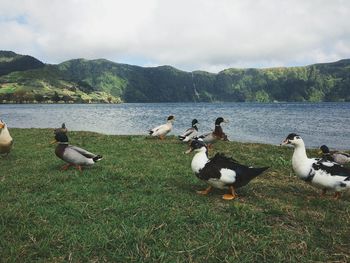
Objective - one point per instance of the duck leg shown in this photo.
(65, 167)
(323, 192)
(231, 195)
(79, 167)
(337, 195)
(161, 137)
(205, 192)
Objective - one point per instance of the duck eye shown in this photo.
(297, 137)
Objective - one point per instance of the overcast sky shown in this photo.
(190, 35)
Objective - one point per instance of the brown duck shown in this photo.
(217, 135)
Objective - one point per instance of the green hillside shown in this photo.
(100, 80)
(10, 61)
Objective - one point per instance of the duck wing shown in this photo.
(76, 155)
(207, 137)
(188, 134)
(331, 168)
(341, 158)
(82, 151)
(160, 130)
(229, 170)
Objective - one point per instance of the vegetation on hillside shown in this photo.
(10, 61)
(100, 80)
(139, 204)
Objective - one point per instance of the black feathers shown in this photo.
(244, 174)
(97, 158)
(331, 168)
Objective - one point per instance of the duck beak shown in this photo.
(286, 141)
(54, 141)
(189, 150)
(226, 121)
(2, 125)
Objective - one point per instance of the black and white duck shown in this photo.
(73, 155)
(190, 133)
(334, 156)
(162, 130)
(216, 135)
(220, 171)
(323, 174)
(6, 140)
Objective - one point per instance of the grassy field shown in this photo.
(139, 204)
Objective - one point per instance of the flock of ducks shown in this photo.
(326, 173)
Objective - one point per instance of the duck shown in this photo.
(335, 156)
(319, 172)
(6, 141)
(73, 155)
(162, 130)
(216, 135)
(190, 133)
(220, 172)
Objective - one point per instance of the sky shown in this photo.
(209, 35)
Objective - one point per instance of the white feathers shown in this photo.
(228, 176)
(199, 160)
(162, 130)
(5, 136)
(6, 141)
(320, 173)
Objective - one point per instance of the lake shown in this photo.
(317, 123)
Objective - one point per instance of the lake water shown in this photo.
(317, 123)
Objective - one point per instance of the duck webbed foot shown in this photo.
(204, 192)
(65, 167)
(79, 168)
(230, 196)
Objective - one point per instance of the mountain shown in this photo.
(10, 62)
(26, 79)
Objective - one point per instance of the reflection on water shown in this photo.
(317, 123)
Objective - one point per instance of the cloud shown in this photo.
(188, 34)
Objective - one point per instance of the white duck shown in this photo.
(162, 130)
(6, 140)
(190, 133)
(321, 173)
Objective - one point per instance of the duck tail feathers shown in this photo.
(257, 171)
(97, 158)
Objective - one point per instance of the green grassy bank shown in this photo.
(139, 205)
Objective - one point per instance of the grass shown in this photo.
(139, 205)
